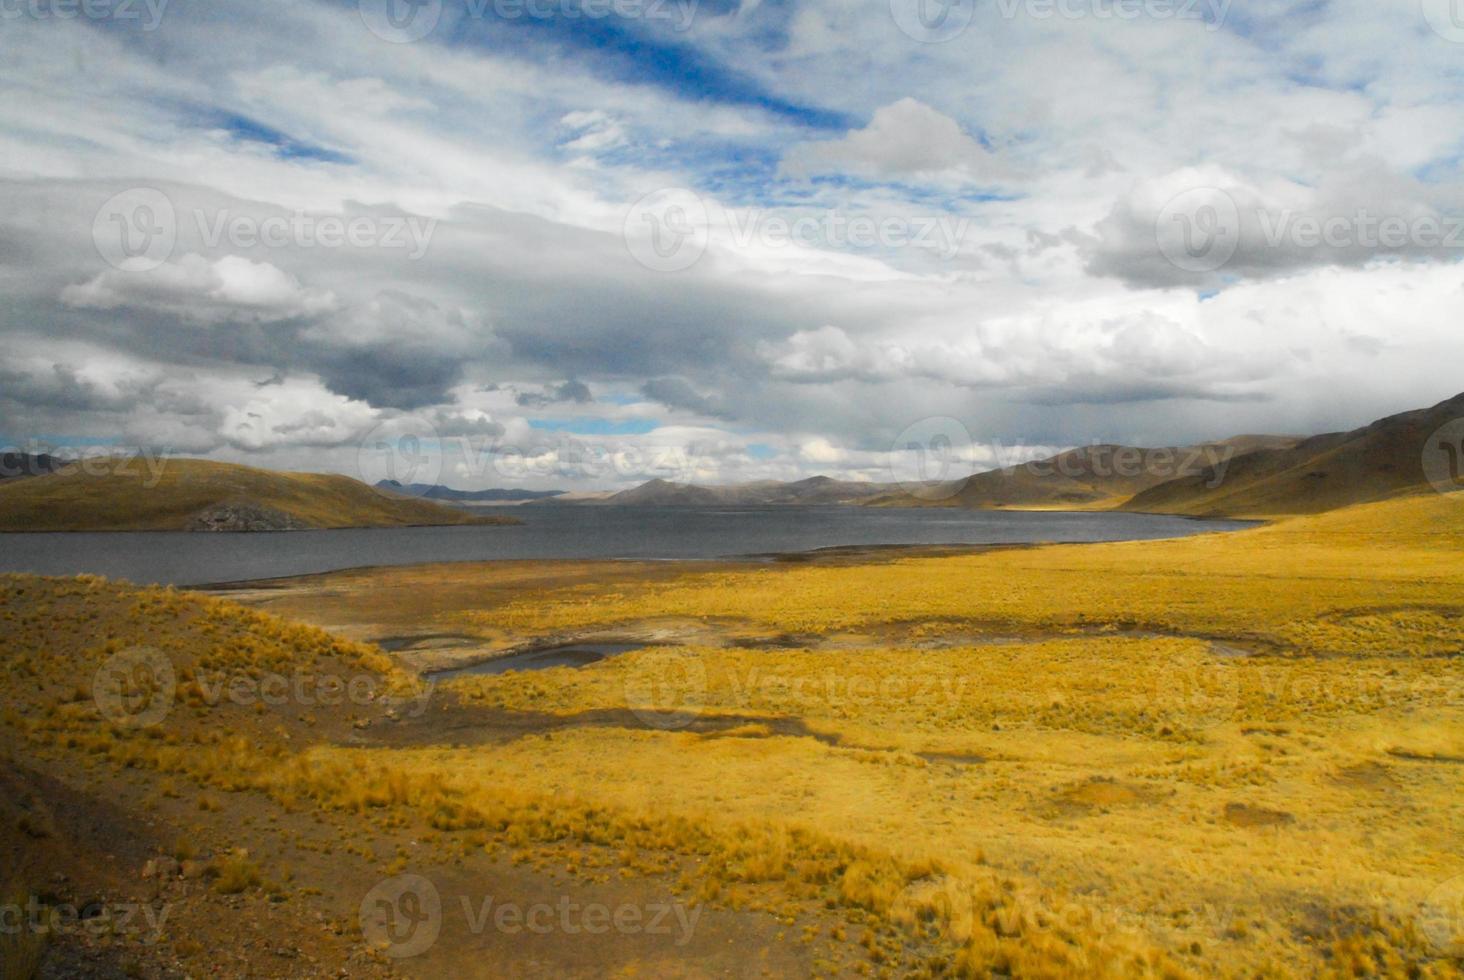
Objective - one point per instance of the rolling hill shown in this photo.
(198, 495)
(1089, 478)
(1376, 462)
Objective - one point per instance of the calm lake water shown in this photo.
(563, 532)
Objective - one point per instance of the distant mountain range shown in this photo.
(1244, 476)
(815, 490)
(448, 495)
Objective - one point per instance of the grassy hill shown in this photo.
(1088, 478)
(195, 495)
(1376, 462)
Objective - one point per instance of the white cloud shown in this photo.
(907, 139)
(231, 289)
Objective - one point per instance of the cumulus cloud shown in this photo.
(678, 393)
(1200, 225)
(193, 289)
(1062, 316)
(906, 139)
(573, 392)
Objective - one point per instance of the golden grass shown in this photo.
(22, 948)
(1383, 578)
(1106, 791)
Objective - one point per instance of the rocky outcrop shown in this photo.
(245, 517)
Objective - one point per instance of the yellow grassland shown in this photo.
(1235, 755)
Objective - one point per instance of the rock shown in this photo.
(244, 517)
(160, 867)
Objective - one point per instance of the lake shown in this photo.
(178, 558)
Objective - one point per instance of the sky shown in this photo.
(579, 244)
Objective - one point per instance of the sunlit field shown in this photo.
(1229, 755)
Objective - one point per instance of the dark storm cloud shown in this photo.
(573, 392)
(679, 393)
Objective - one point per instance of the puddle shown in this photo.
(570, 655)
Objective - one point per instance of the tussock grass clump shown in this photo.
(22, 949)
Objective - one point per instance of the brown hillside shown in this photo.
(192, 494)
(1381, 460)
